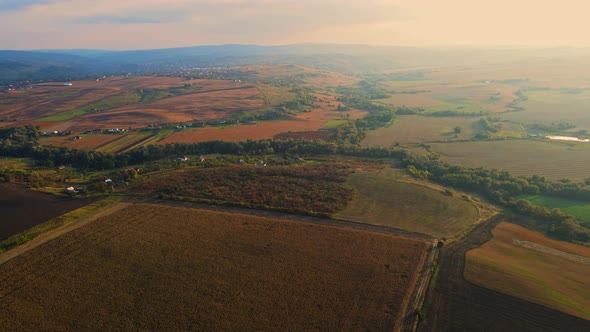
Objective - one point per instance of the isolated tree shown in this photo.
(457, 130)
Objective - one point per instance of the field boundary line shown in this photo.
(54, 233)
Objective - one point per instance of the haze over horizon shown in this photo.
(119, 25)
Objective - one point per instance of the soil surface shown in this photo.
(21, 209)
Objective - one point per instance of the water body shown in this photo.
(568, 138)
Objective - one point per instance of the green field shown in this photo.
(383, 199)
(578, 209)
(552, 159)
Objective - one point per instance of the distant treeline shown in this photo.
(23, 142)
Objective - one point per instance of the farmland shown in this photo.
(23, 209)
(416, 129)
(454, 304)
(159, 267)
(313, 120)
(554, 106)
(578, 209)
(554, 160)
(382, 198)
(126, 102)
(530, 266)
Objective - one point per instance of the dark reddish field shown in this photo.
(155, 267)
(22, 209)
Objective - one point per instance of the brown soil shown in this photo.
(22, 208)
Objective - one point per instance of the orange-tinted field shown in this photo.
(309, 121)
(155, 267)
(199, 106)
(533, 267)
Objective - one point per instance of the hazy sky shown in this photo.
(133, 24)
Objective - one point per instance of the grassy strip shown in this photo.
(18, 239)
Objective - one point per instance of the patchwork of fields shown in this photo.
(159, 267)
(530, 266)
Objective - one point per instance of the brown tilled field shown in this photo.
(528, 265)
(155, 267)
(304, 122)
(23, 209)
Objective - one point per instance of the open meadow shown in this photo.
(530, 266)
(158, 267)
(382, 198)
(554, 160)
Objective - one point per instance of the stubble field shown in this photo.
(382, 198)
(530, 266)
(160, 267)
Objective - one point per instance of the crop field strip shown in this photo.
(64, 249)
(521, 157)
(51, 259)
(123, 142)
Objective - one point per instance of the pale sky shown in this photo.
(140, 24)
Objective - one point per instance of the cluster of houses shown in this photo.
(56, 133)
(185, 159)
(115, 130)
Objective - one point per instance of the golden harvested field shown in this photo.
(533, 267)
(410, 129)
(552, 159)
(382, 198)
(156, 267)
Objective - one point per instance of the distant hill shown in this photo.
(63, 64)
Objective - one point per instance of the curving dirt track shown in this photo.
(456, 305)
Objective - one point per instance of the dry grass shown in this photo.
(415, 129)
(528, 265)
(554, 160)
(153, 267)
(382, 198)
